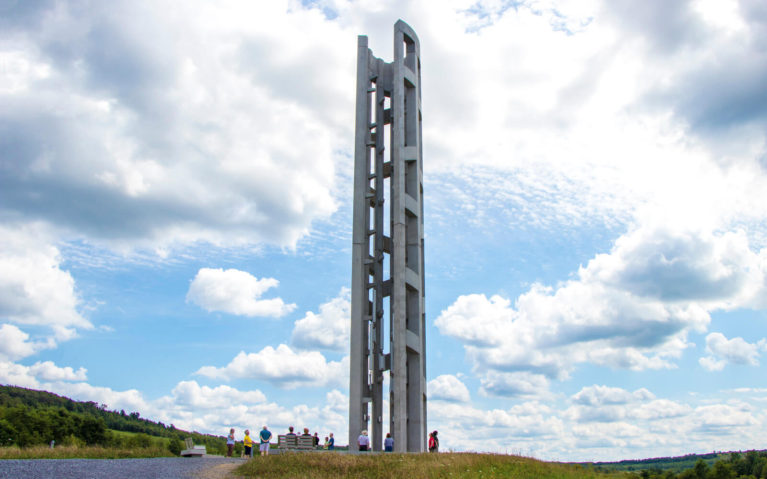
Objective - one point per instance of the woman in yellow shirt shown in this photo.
(248, 443)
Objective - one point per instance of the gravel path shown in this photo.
(159, 468)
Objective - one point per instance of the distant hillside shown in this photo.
(682, 463)
(29, 417)
(663, 463)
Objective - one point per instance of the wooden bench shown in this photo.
(192, 450)
(291, 441)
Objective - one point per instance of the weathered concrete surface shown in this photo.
(388, 106)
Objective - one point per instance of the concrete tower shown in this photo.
(388, 263)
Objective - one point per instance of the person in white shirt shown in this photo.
(363, 441)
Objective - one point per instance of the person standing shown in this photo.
(363, 441)
(248, 443)
(230, 443)
(433, 442)
(331, 442)
(388, 443)
(265, 435)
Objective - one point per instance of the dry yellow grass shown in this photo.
(80, 452)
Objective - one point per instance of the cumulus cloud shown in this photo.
(447, 387)
(182, 128)
(725, 418)
(38, 374)
(194, 396)
(283, 367)
(597, 395)
(14, 343)
(722, 351)
(515, 384)
(327, 330)
(597, 421)
(631, 308)
(35, 291)
(235, 292)
(48, 371)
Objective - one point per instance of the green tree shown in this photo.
(749, 464)
(93, 430)
(687, 474)
(701, 469)
(175, 446)
(722, 470)
(7, 433)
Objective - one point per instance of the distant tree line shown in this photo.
(30, 417)
(751, 465)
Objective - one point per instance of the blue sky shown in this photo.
(175, 217)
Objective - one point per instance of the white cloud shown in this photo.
(724, 418)
(235, 292)
(283, 367)
(190, 394)
(631, 308)
(723, 351)
(34, 290)
(598, 422)
(327, 330)
(129, 400)
(447, 387)
(515, 384)
(185, 130)
(14, 343)
(48, 371)
(597, 395)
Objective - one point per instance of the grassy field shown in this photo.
(328, 465)
(80, 452)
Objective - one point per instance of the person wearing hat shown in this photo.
(363, 441)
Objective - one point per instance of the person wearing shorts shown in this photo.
(264, 436)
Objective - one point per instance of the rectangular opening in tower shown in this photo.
(412, 306)
(414, 400)
(412, 239)
(410, 112)
(409, 49)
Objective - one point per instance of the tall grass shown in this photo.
(81, 452)
(326, 465)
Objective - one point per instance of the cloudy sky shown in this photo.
(175, 215)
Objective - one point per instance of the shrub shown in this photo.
(175, 446)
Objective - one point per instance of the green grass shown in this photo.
(80, 452)
(328, 465)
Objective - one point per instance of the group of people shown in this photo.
(330, 442)
(363, 442)
(264, 438)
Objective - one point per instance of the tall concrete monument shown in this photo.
(388, 263)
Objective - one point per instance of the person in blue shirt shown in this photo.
(331, 442)
(388, 443)
(265, 435)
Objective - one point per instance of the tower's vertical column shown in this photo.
(408, 367)
(359, 389)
